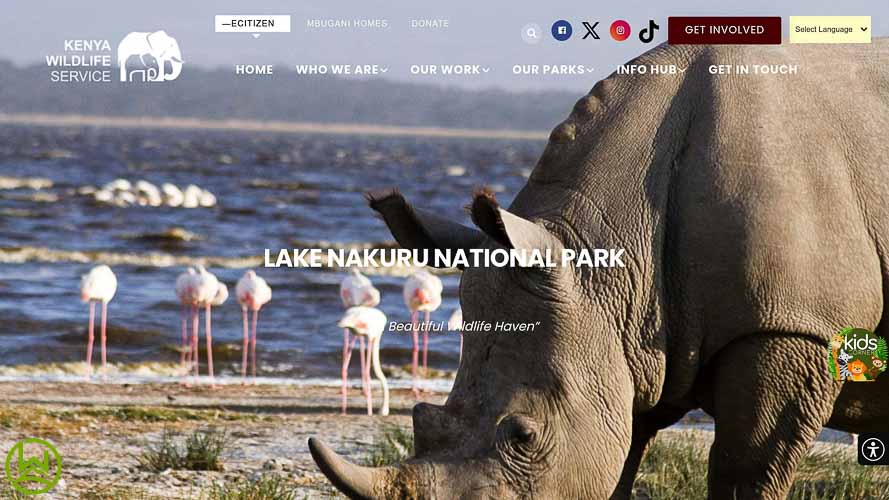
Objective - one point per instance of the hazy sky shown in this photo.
(480, 32)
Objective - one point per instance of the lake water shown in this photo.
(274, 191)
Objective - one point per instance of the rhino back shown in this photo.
(746, 204)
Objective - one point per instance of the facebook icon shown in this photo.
(561, 30)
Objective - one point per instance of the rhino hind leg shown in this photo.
(771, 394)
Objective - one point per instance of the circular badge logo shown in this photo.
(33, 466)
(620, 30)
(561, 30)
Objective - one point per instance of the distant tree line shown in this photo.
(285, 96)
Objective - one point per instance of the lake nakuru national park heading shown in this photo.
(473, 257)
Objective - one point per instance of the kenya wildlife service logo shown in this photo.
(856, 354)
(155, 52)
(39, 472)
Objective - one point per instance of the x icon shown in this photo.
(590, 30)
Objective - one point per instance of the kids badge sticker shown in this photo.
(856, 354)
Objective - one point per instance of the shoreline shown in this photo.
(168, 373)
(265, 126)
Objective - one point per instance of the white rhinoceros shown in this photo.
(754, 210)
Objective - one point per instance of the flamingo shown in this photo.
(356, 290)
(99, 285)
(422, 292)
(148, 194)
(206, 199)
(186, 291)
(455, 324)
(119, 185)
(369, 322)
(206, 285)
(252, 292)
(218, 299)
(191, 196)
(173, 196)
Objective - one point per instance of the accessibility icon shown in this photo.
(872, 449)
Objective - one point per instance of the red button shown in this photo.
(724, 30)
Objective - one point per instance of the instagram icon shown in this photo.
(620, 30)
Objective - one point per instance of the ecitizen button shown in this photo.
(724, 30)
(259, 23)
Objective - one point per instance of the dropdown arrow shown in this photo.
(864, 28)
(256, 35)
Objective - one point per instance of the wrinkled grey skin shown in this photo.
(755, 216)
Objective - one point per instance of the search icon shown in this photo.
(531, 33)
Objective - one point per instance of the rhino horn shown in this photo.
(411, 480)
(353, 480)
(506, 228)
(414, 228)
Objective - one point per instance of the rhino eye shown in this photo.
(517, 428)
(523, 447)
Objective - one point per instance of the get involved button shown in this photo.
(724, 30)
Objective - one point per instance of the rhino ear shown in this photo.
(419, 229)
(508, 229)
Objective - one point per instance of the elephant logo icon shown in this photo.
(154, 52)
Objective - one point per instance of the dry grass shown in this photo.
(202, 450)
(112, 492)
(53, 423)
(394, 446)
(675, 468)
(35, 421)
(267, 487)
(151, 414)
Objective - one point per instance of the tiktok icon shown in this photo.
(646, 35)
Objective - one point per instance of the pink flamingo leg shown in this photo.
(209, 336)
(414, 329)
(370, 407)
(365, 381)
(194, 344)
(185, 357)
(426, 346)
(347, 355)
(104, 329)
(90, 337)
(253, 347)
(184, 337)
(245, 348)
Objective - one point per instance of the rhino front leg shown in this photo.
(771, 393)
(645, 428)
